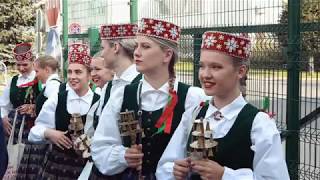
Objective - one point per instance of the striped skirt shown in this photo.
(33, 161)
(128, 174)
(62, 165)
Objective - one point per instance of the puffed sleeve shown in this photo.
(52, 88)
(177, 147)
(5, 103)
(194, 96)
(107, 149)
(45, 119)
(268, 161)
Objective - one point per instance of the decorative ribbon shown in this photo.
(165, 121)
(204, 103)
(29, 84)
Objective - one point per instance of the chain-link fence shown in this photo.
(284, 74)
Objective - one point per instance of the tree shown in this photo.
(310, 46)
(16, 25)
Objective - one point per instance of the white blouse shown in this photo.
(52, 85)
(268, 162)
(107, 149)
(46, 118)
(125, 78)
(5, 103)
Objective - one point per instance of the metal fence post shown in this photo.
(133, 11)
(65, 35)
(293, 113)
(93, 35)
(196, 58)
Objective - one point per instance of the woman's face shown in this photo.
(108, 53)
(25, 67)
(99, 73)
(149, 56)
(217, 74)
(78, 77)
(41, 73)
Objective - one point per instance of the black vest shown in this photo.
(17, 95)
(41, 98)
(62, 117)
(153, 144)
(107, 96)
(233, 150)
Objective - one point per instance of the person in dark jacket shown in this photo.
(3, 152)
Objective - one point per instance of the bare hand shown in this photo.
(58, 138)
(181, 168)
(6, 125)
(26, 109)
(207, 169)
(134, 156)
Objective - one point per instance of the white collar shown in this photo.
(53, 76)
(30, 76)
(129, 74)
(146, 87)
(72, 95)
(229, 111)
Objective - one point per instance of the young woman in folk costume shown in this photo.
(20, 93)
(62, 118)
(46, 68)
(118, 42)
(77, 48)
(249, 144)
(158, 102)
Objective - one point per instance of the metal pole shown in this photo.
(133, 11)
(293, 113)
(65, 35)
(196, 58)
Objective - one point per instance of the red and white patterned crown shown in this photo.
(79, 58)
(22, 52)
(230, 44)
(159, 29)
(79, 48)
(117, 31)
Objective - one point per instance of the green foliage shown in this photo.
(16, 25)
(310, 46)
(310, 12)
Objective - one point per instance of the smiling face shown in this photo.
(99, 73)
(25, 67)
(218, 74)
(78, 77)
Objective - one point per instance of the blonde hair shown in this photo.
(237, 62)
(128, 46)
(165, 44)
(47, 61)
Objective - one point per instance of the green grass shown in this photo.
(281, 73)
(183, 66)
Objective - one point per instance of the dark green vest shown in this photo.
(41, 98)
(233, 149)
(153, 144)
(17, 94)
